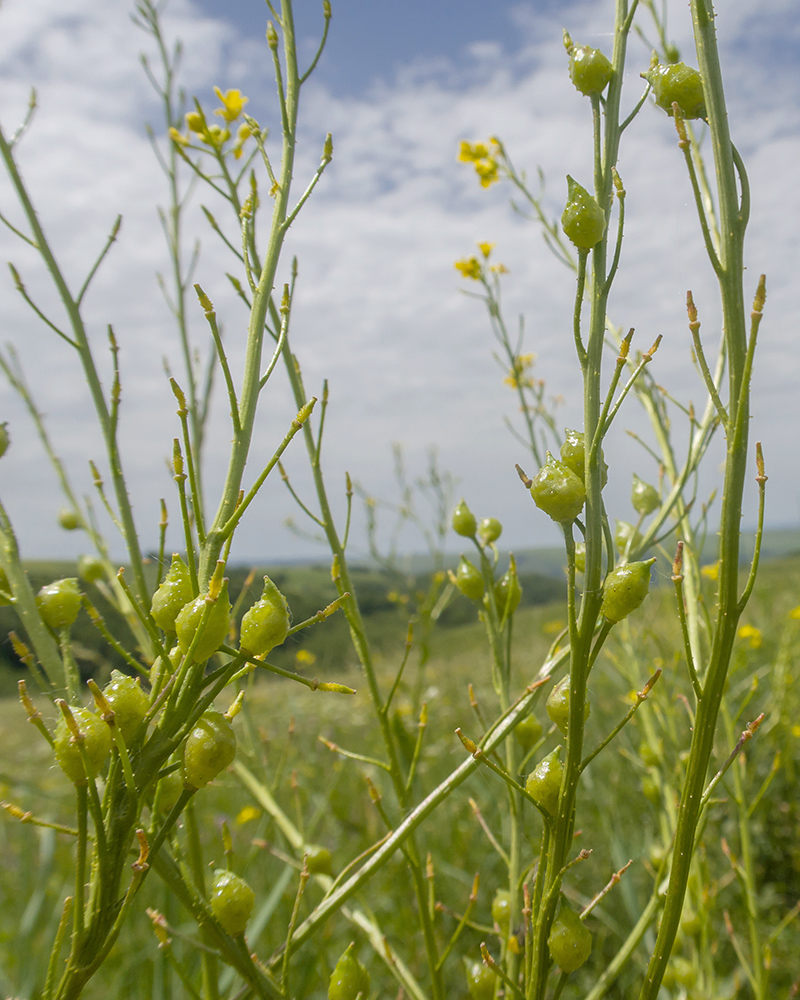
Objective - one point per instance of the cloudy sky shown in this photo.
(380, 311)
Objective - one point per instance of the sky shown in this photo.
(380, 310)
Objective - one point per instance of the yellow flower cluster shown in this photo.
(518, 375)
(216, 136)
(483, 157)
(752, 634)
(472, 267)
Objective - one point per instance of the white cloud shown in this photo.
(379, 309)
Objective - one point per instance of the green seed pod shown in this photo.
(97, 743)
(626, 538)
(266, 624)
(573, 455)
(528, 732)
(168, 791)
(231, 900)
(469, 580)
(570, 943)
(128, 702)
(216, 627)
(557, 705)
(558, 491)
(501, 910)
(544, 782)
(69, 519)
(173, 595)
(582, 220)
(319, 860)
(5, 439)
(174, 658)
(489, 530)
(644, 497)
(59, 603)
(625, 588)
(481, 981)
(91, 568)
(209, 748)
(464, 522)
(508, 591)
(580, 557)
(349, 978)
(678, 84)
(589, 69)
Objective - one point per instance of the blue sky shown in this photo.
(380, 311)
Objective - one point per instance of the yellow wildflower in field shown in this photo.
(518, 374)
(478, 154)
(195, 122)
(752, 634)
(305, 657)
(247, 814)
(232, 104)
(711, 572)
(486, 248)
(795, 613)
(795, 731)
(469, 268)
(178, 137)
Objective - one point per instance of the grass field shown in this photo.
(625, 808)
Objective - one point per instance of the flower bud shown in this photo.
(173, 595)
(489, 530)
(582, 220)
(69, 519)
(464, 522)
(266, 624)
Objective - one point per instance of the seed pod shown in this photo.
(489, 530)
(90, 568)
(558, 491)
(501, 910)
(644, 497)
(266, 624)
(215, 629)
(464, 522)
(349, 978)
(589, 69)
(582, 220)
(319, 860)
(573, 455)
(569, 942)
(128, 702)
(626, 538)
(678, 84)
(96, 742)
(481, 981)
(469, 580)
(528, 732)
(508, 591)
(59, 603)
(557, 705)
(174, 658)
(5, 439)
(580, 557)
(168, 791)
(544, 782)
(173, 595)
(231, 900)
(625, 588)
(209, 748)
(69, 519)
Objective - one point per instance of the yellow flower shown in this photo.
(233, 103)
(795, 731)
(518, 375)
(710, 572)
(795, 613)
(487, 172)
(499, 269)
(196, 122)
(305, 656)
(485, 248)
(247, 814)
(469, 152)
(469, 268)
(178, 138)
(752, 634)
(215, 136)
